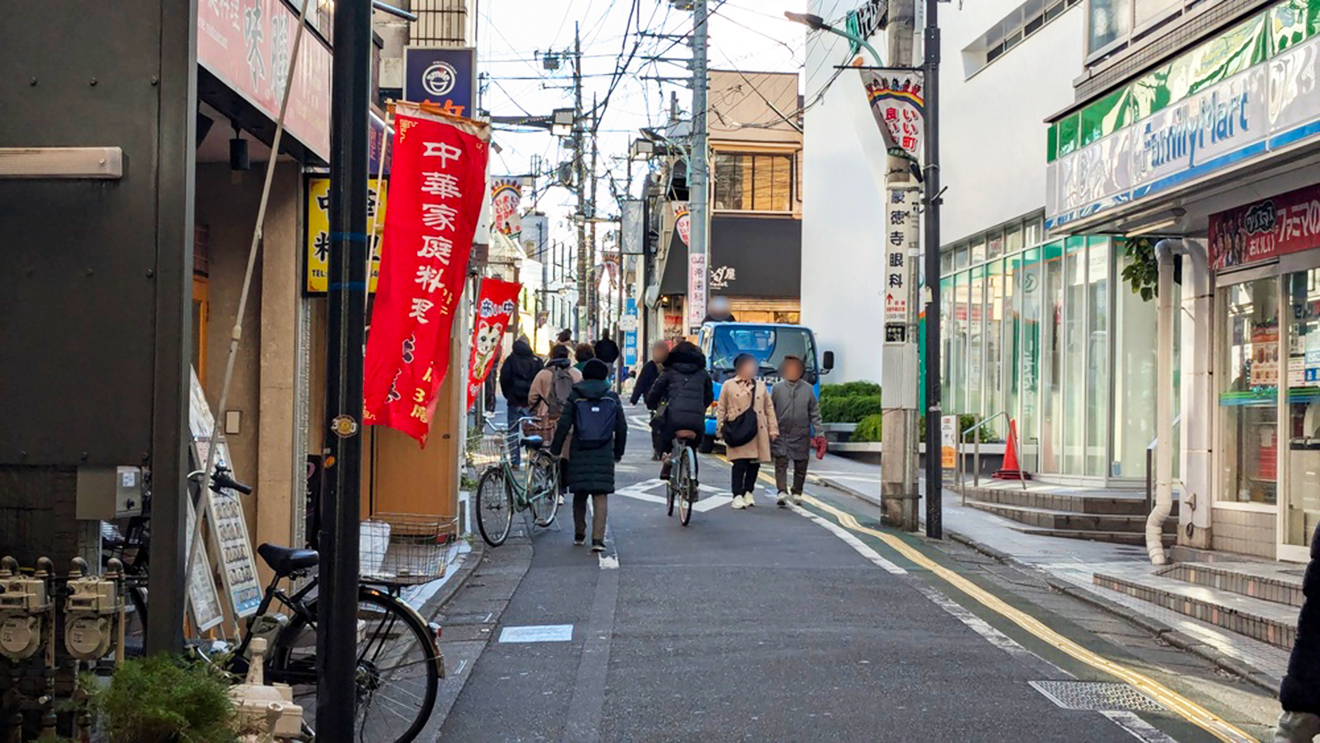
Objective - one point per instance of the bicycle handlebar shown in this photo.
(221, 479)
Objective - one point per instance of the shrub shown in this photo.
(849, 409)
(849, 389)
(160, 699)
(868, 429)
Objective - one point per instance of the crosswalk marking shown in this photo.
(647, 491)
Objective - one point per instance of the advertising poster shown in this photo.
(318, 232)
(505, 203)
(898, 106)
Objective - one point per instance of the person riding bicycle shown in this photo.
(681, 395)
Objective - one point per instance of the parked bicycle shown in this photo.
(682, 486)
(502, 490)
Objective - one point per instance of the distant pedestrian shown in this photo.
(582, 354)
(549, 396)
(646, 378)
(680, 398)
(1299, 695)
(516, 377)
(596, 431)
(745, 419)
(798, 414)
(565, 338)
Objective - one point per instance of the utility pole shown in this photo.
(593, 302)
(934, 409)
(336, 638)
(699, 171)
(580, 321)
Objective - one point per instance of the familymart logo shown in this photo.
(1217, 120)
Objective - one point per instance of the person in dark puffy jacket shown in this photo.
(591, 468)
(645, 381)
(516, 377)
(685, 391)
(1299, 695)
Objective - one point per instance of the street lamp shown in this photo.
(642, 149)
(816, 23)
(561, 122)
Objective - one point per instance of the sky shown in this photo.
(513, 36)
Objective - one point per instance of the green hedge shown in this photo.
(849, 389)
(868, 429)
(849, 409)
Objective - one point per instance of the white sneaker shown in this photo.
(750, 499)
(781, 499)
(797, 499)
(738, 503)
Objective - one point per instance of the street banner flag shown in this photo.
(496, 304)
(436, 192)
(683, 223)
(505, 201)
(897, 101)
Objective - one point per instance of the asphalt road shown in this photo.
(762, 624)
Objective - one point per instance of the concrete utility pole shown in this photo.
(580, 320)
(698, 168)
(593, 302)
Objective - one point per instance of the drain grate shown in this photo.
(1095, 695)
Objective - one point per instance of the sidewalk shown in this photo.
(1070, 565)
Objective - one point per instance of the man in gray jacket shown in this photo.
(798, 412)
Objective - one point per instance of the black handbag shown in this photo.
(741, 429)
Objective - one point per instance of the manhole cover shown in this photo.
(1095, 695)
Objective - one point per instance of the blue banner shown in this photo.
(445, 77)
(630, 336)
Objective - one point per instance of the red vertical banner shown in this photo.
(438, 182)
(496, 303)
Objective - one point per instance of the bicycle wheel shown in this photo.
(543, 490)
(494, 506)
(398, 668)
(686, 486)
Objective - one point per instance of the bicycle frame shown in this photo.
(520, 484)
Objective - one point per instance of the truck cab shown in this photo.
(722, 342)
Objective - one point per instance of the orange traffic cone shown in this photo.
(1011, 470)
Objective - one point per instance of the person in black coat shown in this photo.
(516, 377)
(1299, 695)
(645, 381)
(591, 470)
(685, 389)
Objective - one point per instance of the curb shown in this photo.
(1155, 627)
(471, 560)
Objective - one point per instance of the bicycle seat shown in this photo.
(285, 560)
(685, 434)
(533, 442)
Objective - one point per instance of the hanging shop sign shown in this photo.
(1265, 229)
(631, 339)
(696, 291)
(317, 277)
(445, 77)
(437, 188)
(247, 46)
(900, 242)
(496, 303)
(683, 223)
(1234, 99)
(505, 200)
(898, 106)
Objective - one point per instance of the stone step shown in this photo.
(1128, 502)
(1113, 537)
(1045, 518)
(1281, 584)
(1266, 621)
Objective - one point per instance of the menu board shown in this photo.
(203, 598)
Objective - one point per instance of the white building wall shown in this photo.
(993, 162)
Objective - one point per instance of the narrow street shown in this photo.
(773, 624)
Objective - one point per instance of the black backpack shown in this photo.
(595, 421)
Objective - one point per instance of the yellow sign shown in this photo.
(318, 232)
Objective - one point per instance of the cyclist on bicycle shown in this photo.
(681, 395)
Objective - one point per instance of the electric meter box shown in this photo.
(108, 493)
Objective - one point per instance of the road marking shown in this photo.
(609, 560)
(1184, 707)
(538, 633)
(642, 491)
(862, 548)
(1139, 728)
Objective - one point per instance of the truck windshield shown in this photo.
(768, 343)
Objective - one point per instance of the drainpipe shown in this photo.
(1164, 252)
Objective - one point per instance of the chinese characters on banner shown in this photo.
(696, 294)
(318, 233)
(900, 231)
(496, 304)
(898, 105)
(683, 223)
(437, 185)
(505, 199)
(1266, 229)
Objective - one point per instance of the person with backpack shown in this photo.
(583, 353)
(798, 411)
(594, 428)
(516, 377)
(549, 395)
(680, 397)
(745, 419)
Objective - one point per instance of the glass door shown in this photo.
(1300, 512)
(1248, 401)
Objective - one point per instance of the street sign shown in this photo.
(696, 296)
(445, 76)
(895, 332)
(948, 444)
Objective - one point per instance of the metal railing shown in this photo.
(976, 455)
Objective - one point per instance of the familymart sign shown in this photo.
(1250, 91)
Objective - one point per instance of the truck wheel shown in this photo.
(707, 445)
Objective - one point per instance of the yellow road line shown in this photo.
(1189, 710)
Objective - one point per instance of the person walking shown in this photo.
(582, 354)
(1299, 695)
(646, 378)
(745, 419)
(680, 397)
(565, 338)
(595, 430)
(798, 414)
(549, 396)
(516, 375)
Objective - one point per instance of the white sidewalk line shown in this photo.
(850, 540)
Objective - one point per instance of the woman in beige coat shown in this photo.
(736, 396)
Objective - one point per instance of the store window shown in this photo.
(958, 344)
(1075, 342)
(1097, 356)
(1107, 22)
(975, 341)
(1302, 512)
(1134, 380)
(994, 358)
(1051, 361)
(1030, 362)
(1248, 402)
(760, 183)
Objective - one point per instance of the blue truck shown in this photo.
(722, 342)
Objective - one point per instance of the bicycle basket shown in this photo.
(406, 549)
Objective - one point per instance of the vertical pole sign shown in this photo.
(900, 237)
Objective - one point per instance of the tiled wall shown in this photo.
(1245, 532)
